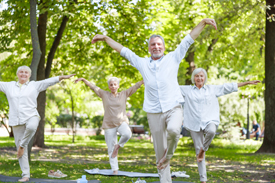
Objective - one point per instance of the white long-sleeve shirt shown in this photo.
(23, 99)
(201, 106)
(162, 91)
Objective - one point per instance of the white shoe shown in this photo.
(180, 174)
(57, 174)
(140, 181)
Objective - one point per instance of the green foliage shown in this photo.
(97, 123)
(235, 52)
(65, 120)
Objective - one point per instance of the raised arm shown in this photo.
(248, 83)
(198, 29)
(113, 44)
(92, 86)
(130, 91)
(65, 77)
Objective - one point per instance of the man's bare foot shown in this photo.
(115, 172)
(162, 160)
(24, 179)
(115, 151)
(20, 152)
(200, 155)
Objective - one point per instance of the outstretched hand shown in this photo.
(254, 82)
(210, 21)
(79, 79)
(97, 38)
(68, 76)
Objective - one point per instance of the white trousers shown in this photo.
(22, 137)
(111, 140)
(201, 141)
(165, 129)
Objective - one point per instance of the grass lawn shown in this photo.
(226, 161)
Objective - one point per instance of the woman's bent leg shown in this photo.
(198, 139)
(125, 132)
(209, 132)
(111, 140)
(31, 127)
(18, 132)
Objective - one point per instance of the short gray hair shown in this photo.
(196, 71)
(155, 35)
(24, 67)
(113, 79)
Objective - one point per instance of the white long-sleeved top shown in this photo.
(23, 100)
(162, 91)
(201, 106)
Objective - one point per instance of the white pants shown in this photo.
(111, 140)
(165, 129)
(22, 137)
(201, 141)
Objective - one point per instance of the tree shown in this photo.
(268, 145)
(64, 30)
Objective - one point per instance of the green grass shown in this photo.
(226, 161)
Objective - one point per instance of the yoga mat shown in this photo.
(121, 173)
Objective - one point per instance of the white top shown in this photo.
(22, 100)
(162, 91)
(202, 106)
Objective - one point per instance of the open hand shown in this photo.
(79, 79)
(254, 82)
(68, 76)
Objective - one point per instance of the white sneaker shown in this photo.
(57, 174)
(180, 174)
(140, 181)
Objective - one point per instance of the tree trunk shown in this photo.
(36, 53)
(73, 125)
(35, 40)
(268, 145)
(191, 68)
(41, 100)
(45, 73)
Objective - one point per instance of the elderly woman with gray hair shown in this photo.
(115, 119)
(23, 115)
(201, 112)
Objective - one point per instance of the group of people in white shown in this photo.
(163, 101)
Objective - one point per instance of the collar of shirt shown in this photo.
(19, 84)
(195, 87)
(151, 60)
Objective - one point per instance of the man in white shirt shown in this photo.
(162, 96)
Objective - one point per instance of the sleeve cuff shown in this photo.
(123, 51)
(189, 39)
(56, 79)
(235, 87)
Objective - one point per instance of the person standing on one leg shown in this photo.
(23, 115)
(201, 112)
(115, 119)
(162, 98)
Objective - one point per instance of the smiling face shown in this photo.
(199, 79)
(156, 48)
(113, 86)
(23, 75)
